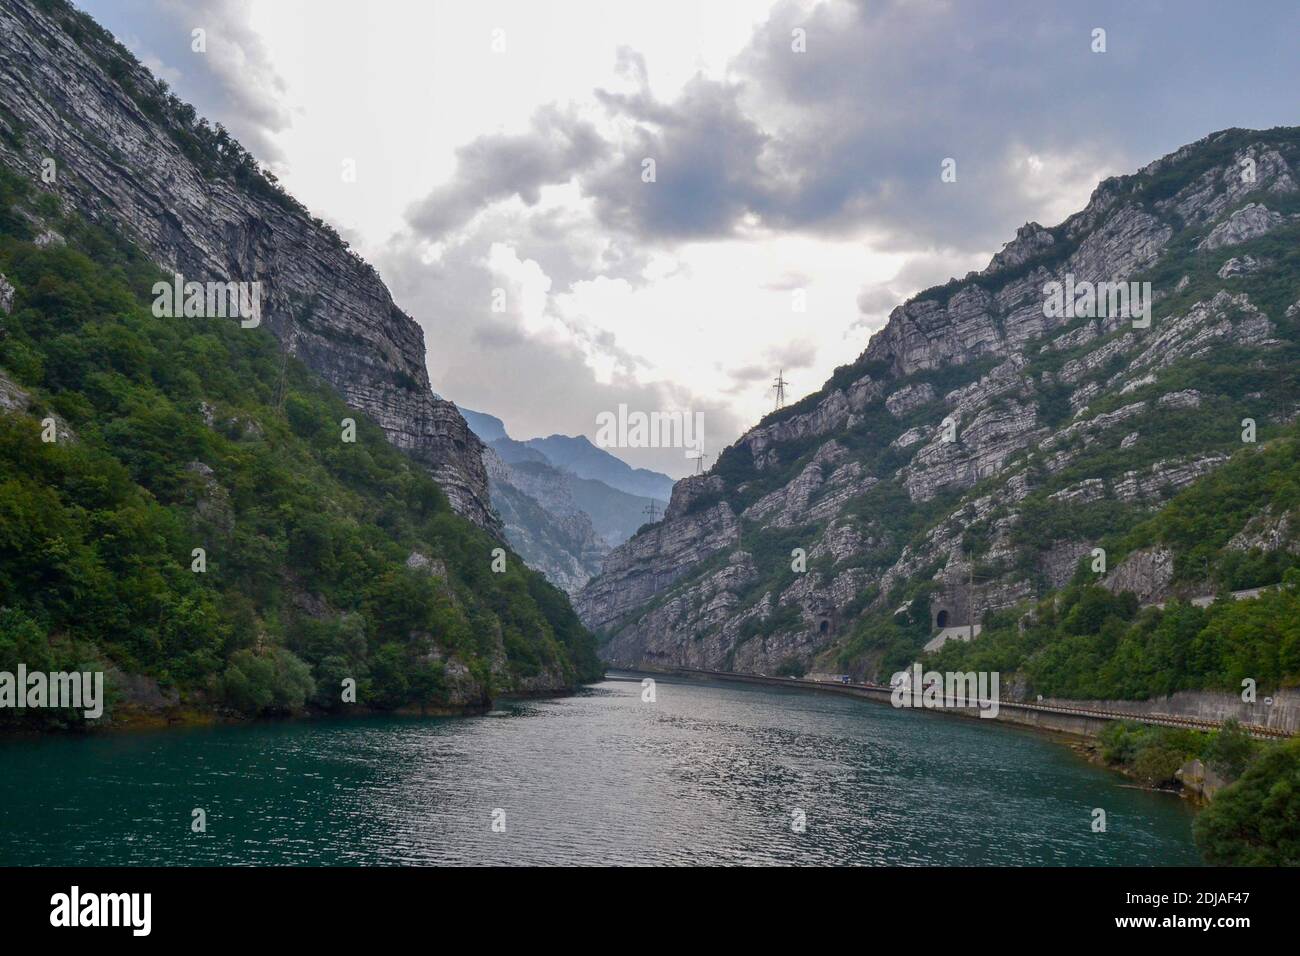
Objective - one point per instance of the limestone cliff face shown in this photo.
(542, 521)
(976, 424)
(639, 569)
(559, 519)
(124, 156)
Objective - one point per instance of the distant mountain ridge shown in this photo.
(487, 427)
(561, 518)
(572, 453)
(585, 460)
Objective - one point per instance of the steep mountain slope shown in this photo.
(1232, 530)
(538, 514)
(562, 524)
(614, 514)
(514, 452)
(129, 153)
(487, 427)
(181, 506)
(543, 522)
(985, 442)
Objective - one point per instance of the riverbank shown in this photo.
(1083, 732)
(130, 719)
(1069, 728)
(1076, 718)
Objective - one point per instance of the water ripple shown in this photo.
(706, 774)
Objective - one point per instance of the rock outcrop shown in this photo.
(980, 425)
(125, 153)
(1249, 222)
(542, 521)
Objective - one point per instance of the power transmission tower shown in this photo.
(652, 510)
(780, 385)
(699, 462)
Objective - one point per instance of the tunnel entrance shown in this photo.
(942, 619)
(824, 626)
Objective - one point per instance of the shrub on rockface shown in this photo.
(273, 682)
(1256, 821)
(1152, 755)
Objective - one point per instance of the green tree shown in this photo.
(274, 682)
(1231, 750)
(1256, 821)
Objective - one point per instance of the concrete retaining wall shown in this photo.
(1282, 714)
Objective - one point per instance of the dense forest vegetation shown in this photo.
(325, 559)
(1256, 821)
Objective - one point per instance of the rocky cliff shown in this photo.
(543, 522)
(126, 152)
(985, 440)
(561, 523)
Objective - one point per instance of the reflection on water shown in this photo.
(708, 773)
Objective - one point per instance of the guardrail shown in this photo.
(1162, 720)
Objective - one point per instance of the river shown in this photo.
(705, 774)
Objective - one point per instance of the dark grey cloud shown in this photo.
(706, 153)
(874, 299)
(850, 134)
(501, 165)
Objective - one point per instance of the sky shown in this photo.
(490, 158)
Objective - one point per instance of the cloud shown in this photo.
(775, 170)
(849, 137)
(799, 353)
(746, 379)
(706, 153)
(921, 270)
(495, 167)
(540, 368)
